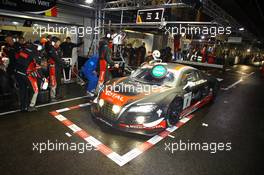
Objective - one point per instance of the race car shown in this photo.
(155, 96)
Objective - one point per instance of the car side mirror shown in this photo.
(189, 86)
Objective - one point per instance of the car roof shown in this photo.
(175, 67)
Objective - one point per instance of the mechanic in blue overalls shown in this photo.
(89, 71)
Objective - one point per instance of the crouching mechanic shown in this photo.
(89, 71)
(27, 75)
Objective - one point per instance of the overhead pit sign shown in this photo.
(234, 39)
(34, 6)
(149, 16)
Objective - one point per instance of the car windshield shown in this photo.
(144, 75)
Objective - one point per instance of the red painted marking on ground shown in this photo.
(164, 134)
(179, 124)
(54, 113)
(104, 149)
(145, 146)
(67, 122)
(83, 134)
(190, 116)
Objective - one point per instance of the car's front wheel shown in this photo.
(174, 111)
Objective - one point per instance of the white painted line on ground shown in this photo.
(205, 124)
(62, 110)
(228, 69)
(172, 128)
(85, 104)
(155, 139)
(131, 155)
(237, 82)
(232, 85)
(62, 101)
(93, 141)
(48, 104)
(240, 72)
(171, 136)
(74, 128)
(68, 134)
(60, 117)
(116, 158)
(220, 79)
(184, 120)
(250, 74)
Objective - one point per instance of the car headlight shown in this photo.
(101, 102)
(116, 109)
(140, 119)
(143, 108)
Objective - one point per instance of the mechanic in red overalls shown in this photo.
(105, 51)
(27, 75)
(55, 64)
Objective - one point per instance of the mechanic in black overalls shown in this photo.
(105, 52)
(67, 46)
(26, 75)
(55, 64)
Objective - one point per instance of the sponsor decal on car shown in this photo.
(113, 95)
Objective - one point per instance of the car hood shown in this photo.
(125, 90)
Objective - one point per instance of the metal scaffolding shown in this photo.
(211, 9)
(220, 16)
(139, 4)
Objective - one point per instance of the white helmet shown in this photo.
(156, 54)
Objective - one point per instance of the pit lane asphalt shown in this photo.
(236, 117)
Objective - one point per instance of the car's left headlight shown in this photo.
(116, 109)
(143, 108)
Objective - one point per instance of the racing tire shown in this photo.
(174, 111)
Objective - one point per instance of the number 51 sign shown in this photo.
(149, 16)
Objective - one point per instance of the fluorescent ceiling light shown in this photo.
(89, 1)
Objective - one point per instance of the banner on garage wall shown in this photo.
(52, 12)
(150, 16)
(31, 6)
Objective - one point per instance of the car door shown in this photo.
(192, 88)
(204, 86)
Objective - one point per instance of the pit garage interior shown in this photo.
(225, 136)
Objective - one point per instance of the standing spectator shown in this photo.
(67, 46)
(142, 53)
(10, 52)
(131, 55)
(18, 45)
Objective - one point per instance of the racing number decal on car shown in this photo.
(187, 100)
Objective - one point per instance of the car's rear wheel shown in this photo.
(174, 111)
